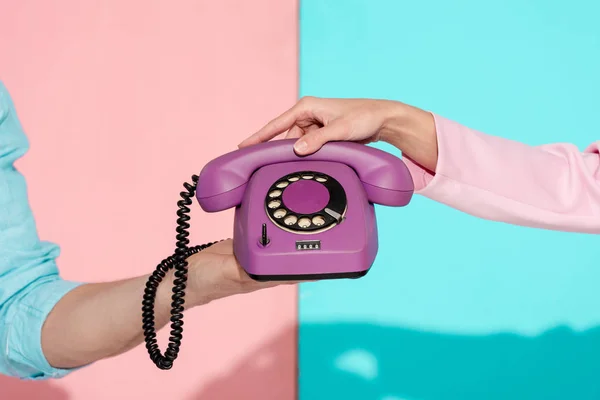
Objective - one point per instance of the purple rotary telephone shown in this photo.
(296, 217)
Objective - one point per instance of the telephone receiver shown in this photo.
(296, 217)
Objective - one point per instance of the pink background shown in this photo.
(122, 102)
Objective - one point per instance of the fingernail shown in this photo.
(300, 145)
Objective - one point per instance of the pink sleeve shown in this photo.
(554, 186)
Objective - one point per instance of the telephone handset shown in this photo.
(296, 217)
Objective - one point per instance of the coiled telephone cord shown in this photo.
(178, 261)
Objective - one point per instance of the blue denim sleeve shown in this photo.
(30, 285)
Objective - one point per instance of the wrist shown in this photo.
(400, 122)
(193, 295)
(412, 131)
(207, 280)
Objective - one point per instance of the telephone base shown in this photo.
(309, 277)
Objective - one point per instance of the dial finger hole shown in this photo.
(274, 204)
(275, 193)
(318, 220)
(290, 220)
(279, 213)
(307, 176)
(304, 222)
(282, 185)
(294, 178)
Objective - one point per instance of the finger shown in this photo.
(304, 129)
(313, 141)
(295, 133)
(366, 141)
(279, 125)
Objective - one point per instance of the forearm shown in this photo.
(96, 321)
(552, 187)
(100, 320)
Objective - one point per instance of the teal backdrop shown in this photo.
(456, 307)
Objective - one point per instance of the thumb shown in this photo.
(313, 141)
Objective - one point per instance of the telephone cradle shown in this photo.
(296, 218)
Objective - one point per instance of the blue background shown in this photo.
(456, 307)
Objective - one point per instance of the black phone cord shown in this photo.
(178, 261)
